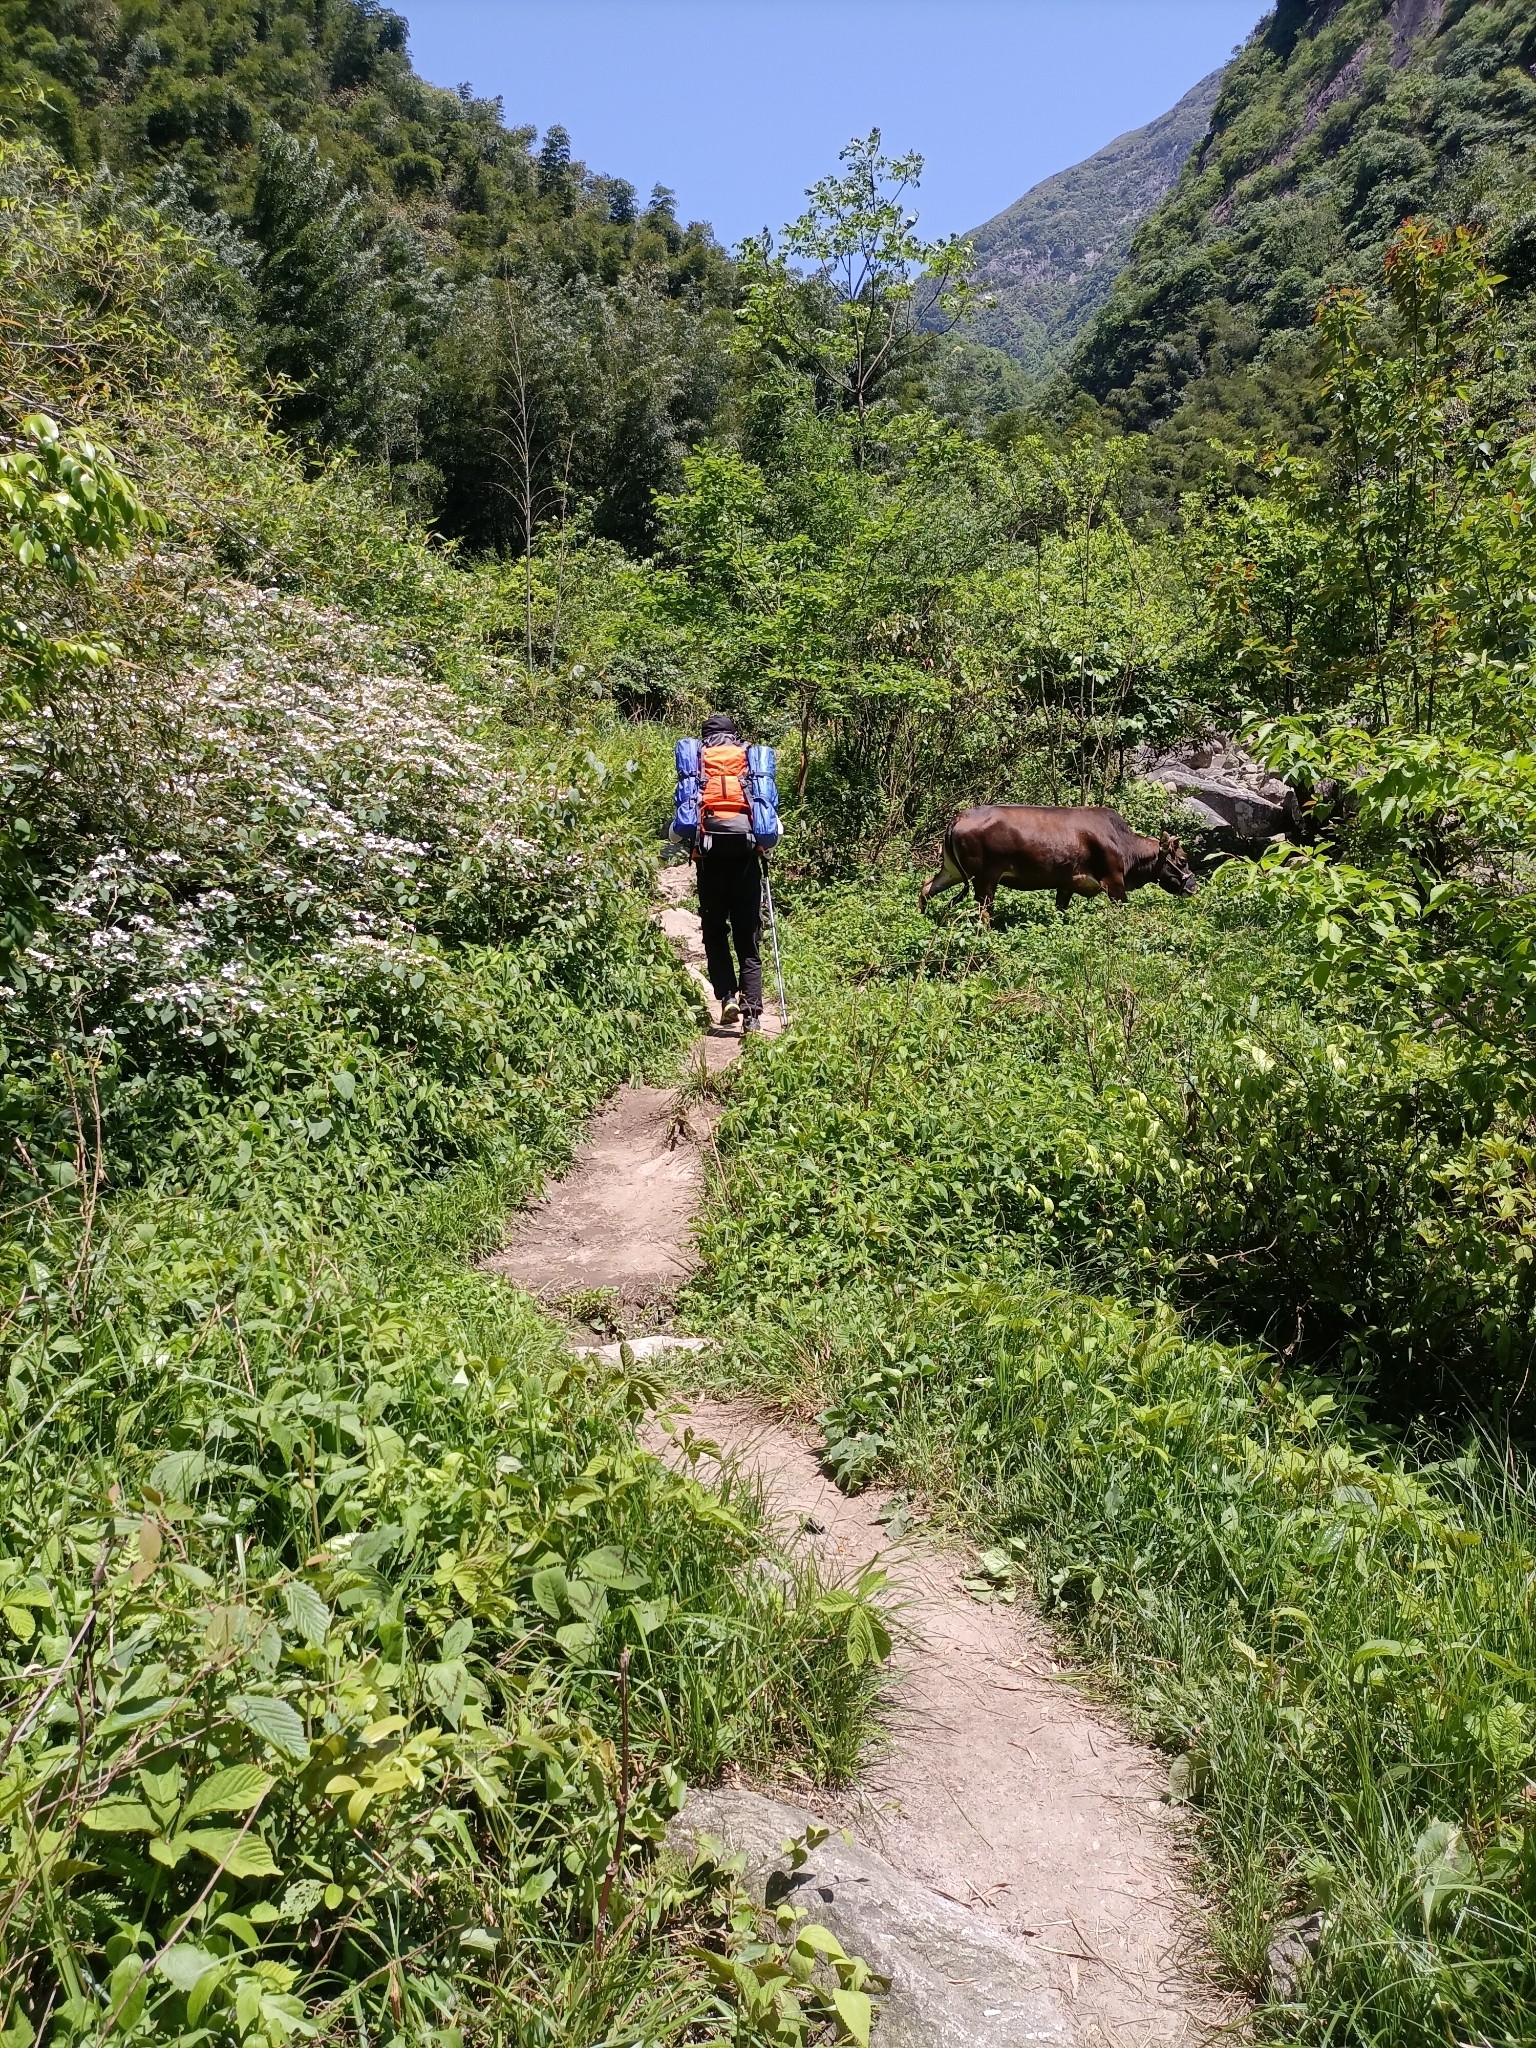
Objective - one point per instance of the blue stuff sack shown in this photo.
(762, 791)
(689, 757)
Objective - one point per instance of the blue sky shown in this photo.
(739, 104)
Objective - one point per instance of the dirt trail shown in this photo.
(1002, 1786)
(622, 1218)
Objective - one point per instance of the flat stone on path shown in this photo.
(1001, 1787)
(955, 1982)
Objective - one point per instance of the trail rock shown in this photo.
(1291, 1955)
(955, 1982)
(642, 1348)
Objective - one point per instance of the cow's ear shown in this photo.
(1167, 842)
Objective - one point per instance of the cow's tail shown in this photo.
(950, 863)
(952, 856)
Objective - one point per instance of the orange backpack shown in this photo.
(724, 800)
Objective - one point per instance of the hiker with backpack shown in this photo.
(726, 813)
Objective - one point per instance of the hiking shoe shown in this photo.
(750, 1021)
(730, 1010)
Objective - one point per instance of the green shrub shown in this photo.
(1153, 1099)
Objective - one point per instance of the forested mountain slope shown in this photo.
(1338, 120)
(413, 278)
(1049, 260)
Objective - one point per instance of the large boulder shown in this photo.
(955, 1982)
(1234, 801)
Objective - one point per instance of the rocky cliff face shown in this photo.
(1051, 258)
(1337, 121)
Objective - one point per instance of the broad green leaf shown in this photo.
(650, 1614)
(869, 1640)
(458, 1639)
(1188, 1776)
(127, 1990)
(235, 1790)
(241, 1855)
(576, 1638)
(445, 1684)
(241, 1928)
(163, 1790)
(549, 1590)
(308, 1615)
(301, 1899)
(820, 1941)
(176, 1475)
(201, 1992)
(119, 1817)
(608, 1566)
(855, 2015)
(372, 1546)
(274, 1721)
(182, 1965)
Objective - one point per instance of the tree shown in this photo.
(321, 300)
(1358, 586)
(1384, 607)
(872, 281)
(555, 177)
(552, 392)
(623, 209)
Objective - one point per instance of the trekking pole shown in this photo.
(773, 930)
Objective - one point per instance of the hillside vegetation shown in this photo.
(356, 1652)
(1049, 261)
(504, 331)
(1334, 124)
(353, 1652)
(1182, 1252)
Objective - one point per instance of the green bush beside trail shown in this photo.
(353, 1652)
(1159, 1102)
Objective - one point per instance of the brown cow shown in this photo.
(1075, 852)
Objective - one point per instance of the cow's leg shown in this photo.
(1064, 899)
(986, 894)
(1114, 880)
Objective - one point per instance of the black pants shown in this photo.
(731, 908)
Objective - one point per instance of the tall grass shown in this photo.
(1326, 1620)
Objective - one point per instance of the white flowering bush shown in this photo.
(279, 824)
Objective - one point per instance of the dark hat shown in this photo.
(721, 725)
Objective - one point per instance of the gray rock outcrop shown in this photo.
(1235, 802)
(955, 1982)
